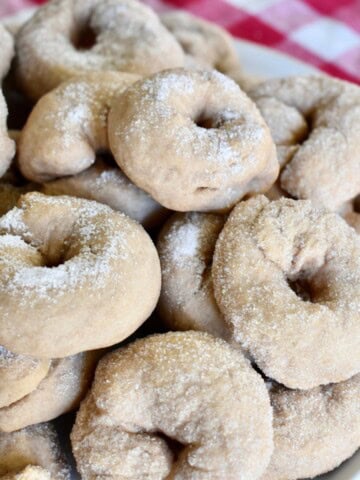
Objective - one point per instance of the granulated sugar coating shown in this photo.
(192, 139)
(315, 123)
(287, 278)
(72, 272)
(37, 446)
(180, 405)
(120, 115)
(314, 430)
(68, 126)
(107, 184)
(60, 391)
(186, 245)
(120, 35)
(19, 375)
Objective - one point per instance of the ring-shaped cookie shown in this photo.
(192, 139)
(184, 392)
(315, 123)
(68, 126)
(68, 37)
(71, 273)
(287, 279)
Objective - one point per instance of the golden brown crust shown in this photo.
(301, 339)
(192, 139)
(71, 274)
(187, 386)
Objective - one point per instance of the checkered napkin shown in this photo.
(324, 33)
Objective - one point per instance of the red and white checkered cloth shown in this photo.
(324, 33)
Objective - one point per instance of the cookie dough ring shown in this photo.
(61, 391)
(182, 386)
(37, 445)
(203, 143)
(68, 260)
(205, 44)
(19, 375)
(107, 184)
(186, 245)
(68, 37)
(314, 430)
(315, 122)
(68, 126)
(268, 251)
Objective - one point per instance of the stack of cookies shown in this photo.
(179, 254)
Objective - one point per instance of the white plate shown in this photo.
(264, 63)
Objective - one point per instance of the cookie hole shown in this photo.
(305, 133)
(19, 106)
(301, 287)
(205, 122)
(56, 251)
(175, 446)
(356, 204)
(54, 261)
(84, 39)
(107, 158)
